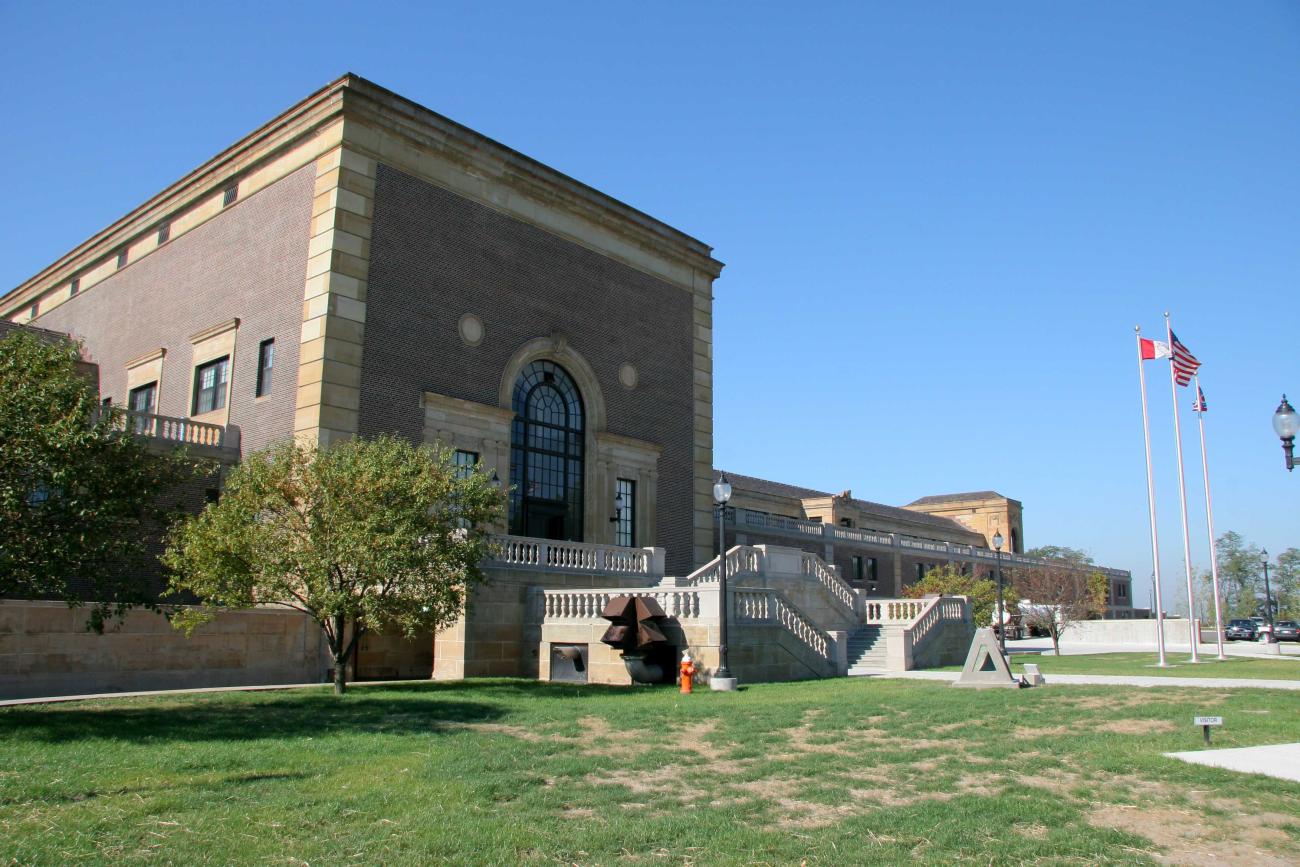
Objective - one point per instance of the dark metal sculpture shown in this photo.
(635, 630)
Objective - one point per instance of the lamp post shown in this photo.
(1268, 600)
(1286, 423)
(1002, 616)
(722, 679)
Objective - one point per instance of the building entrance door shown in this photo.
(545, 520)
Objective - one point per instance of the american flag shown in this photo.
(1185, 364)
(1198, 405)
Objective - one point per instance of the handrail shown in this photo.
(753, 605)
(557, 556)
(815, 567)
(741, 560)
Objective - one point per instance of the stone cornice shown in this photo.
(351, 97)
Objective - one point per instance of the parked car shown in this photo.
(1288, 630)
(1241, 630)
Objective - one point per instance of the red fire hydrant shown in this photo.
(687, 673)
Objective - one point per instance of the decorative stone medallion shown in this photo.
(471, 329)
(627, 376)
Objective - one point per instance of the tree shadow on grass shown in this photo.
(288, 715)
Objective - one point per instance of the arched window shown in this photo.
(546, 454)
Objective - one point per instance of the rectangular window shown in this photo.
(920, 571)
(210, 385)
(265, 360)
(229, 195)
(625, 525)
(859, 568)
(121, 258)
(74, 287)
(871, 570)
(465, 463)
(108, 401)
(1123, 591)
(846, 522)
(144, 398)
(35, 311)
(164, 232)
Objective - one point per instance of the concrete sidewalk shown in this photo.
(1277, 760)
(1289, 651)
(1114, 680)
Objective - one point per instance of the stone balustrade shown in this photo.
(550, 555)
(761, 521)
(570, 605)
(172, 430)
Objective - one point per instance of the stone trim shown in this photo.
(153, 355)
(212, 331)
(334, 299)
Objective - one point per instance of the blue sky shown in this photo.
(940, 221)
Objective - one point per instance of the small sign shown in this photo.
(1209, 721)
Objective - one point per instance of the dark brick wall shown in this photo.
(436, 256)
(249, 262)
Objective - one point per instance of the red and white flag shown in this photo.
(1154, 349)
(1185, 364)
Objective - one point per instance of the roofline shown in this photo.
(300, 121)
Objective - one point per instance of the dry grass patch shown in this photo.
(1194, 840)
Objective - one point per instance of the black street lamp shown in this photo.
(1286, 423)
(1268, 599)
(1002, 615)
(722, 679)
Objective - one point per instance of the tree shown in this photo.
(1055, 596)
(79, 497)
(1287, 586)
(1240, 578)
(365, 535)
(949, 580)
(1060, 552)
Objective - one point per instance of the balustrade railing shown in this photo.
(741, 560)
(816, 568)
(901, 541)
(557, 556)
(182, 431)
(769, 606)
(682, 603)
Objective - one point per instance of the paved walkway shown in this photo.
(98, 695)
(1115, 680)
(1278, 760)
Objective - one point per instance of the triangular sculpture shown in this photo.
(985, 665)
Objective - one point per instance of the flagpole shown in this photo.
(1151, 506)
(1193, 631)
(1209, 519)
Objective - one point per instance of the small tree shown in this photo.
(1240, 578)
(362, 536)
(79, 496)
(1053, 597)
(948, 579)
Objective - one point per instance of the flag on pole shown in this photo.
(1185, 364)
(1154, 349)
(1198, 405)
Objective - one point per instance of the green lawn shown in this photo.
(845, 771)
(1280, 668)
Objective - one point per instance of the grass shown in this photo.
(1144, 665)
(845, 771)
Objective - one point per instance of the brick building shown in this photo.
(362, 264)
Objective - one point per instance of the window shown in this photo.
(846, 522)
(108, 401)
(859, 568)
(871, 569)
(35, 311)
(265, 359)
(121, 258)
(465, 463)
(74, 287)
(625, 523)
(1123, 590)
(210, 385)
(920, 571)
(546, 454)
(164, 232)
(144, 398)
(229, 195)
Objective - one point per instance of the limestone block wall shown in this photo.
(45, 650)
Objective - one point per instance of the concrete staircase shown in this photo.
(866, 650)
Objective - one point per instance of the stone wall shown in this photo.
(45, 650)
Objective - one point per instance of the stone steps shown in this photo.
(864, 651)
